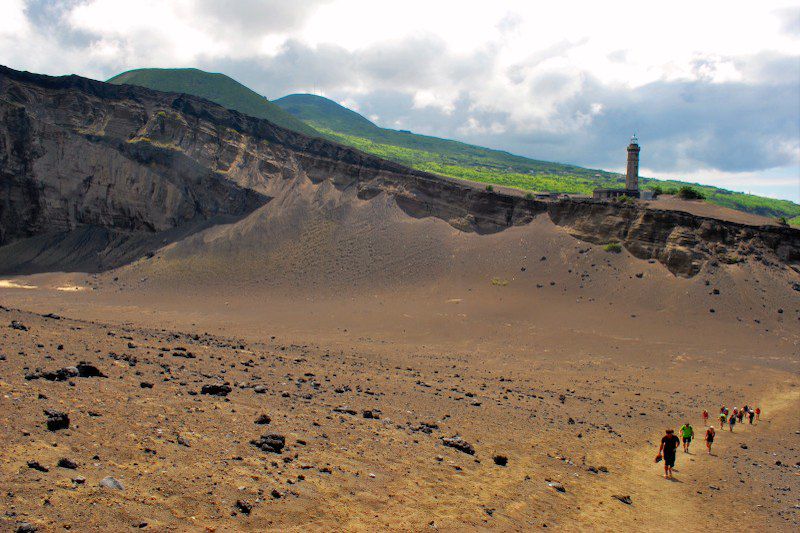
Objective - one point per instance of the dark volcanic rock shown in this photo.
(36, 465)
(81, 370)
(86, 370)
(459, 444)
(57, 420)
(244, 506)
(216, 390)
(270, 443)
(500, 460)
(263, 420)
(623, 498)
(18, 325)
(67, 463)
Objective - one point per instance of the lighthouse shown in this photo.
(632, 175)
(631, 189)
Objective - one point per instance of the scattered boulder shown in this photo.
(26, 527)
(87, 370)
(459, 444)
(111, 483)
(56, 420)
(260, 389)
(369, 413)
(81, 370)
(244, 506)
(344, 410)
(67, 463)
(500, 460)
(557, 486)
(623, 498)
(146, 385)
(216, 389)
(270, 443)
(263, 420)
(18, 326)
(36, 465)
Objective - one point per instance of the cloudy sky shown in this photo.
(711, 87)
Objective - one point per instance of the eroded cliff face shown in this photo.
(681, 241)
(76, 153)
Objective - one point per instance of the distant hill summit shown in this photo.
(215, 87)
(328, 114)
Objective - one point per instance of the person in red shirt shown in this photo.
(668, 449)
(758, 413)
(705, 417)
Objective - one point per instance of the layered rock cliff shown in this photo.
(77, 153)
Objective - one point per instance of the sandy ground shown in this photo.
(528, 344)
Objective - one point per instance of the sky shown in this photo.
(711, 88)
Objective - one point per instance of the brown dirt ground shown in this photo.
(574, 362)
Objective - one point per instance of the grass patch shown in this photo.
(497, 282)
(613, 247)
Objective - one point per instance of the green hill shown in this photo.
(474, 163)
(218, 88)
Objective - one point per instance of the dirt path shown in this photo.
(686, 499)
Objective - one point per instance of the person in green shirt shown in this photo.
(687, 432)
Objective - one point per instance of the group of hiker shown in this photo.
(669, 442)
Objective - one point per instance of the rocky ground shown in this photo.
(121, 427)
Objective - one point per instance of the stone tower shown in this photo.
(632, 176)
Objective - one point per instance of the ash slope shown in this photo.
(134, 169)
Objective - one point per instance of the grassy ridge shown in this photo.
(541, 176)
(218, 88)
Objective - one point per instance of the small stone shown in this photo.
(263, 420)
(111, 483)
(623, 498)
(500, 460)
(26, 527)
(557, 486)
(146, 385)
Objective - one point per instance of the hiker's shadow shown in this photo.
(674, 480)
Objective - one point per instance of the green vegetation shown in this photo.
(497, 282)
(613, 247)
(794, 221)
(689, 193)
(218, 88)
(489, 188)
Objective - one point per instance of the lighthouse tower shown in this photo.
(632, 175)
